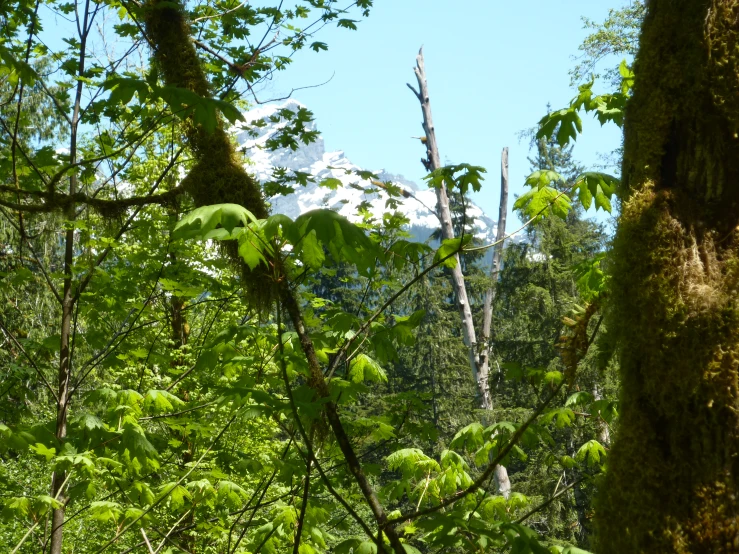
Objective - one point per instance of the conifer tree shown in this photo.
(537, 289)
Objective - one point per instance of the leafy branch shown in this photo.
(485, 476)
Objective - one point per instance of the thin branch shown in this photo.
(311, 454)
(265, 539)
(342, 350)
(56, 497)
(303, 507)
(23, 539)
(28, 357)
(418, 94)
(15, 145)
(480, 481)
(104, 254)
(289, 95)
(47, 278)
(320, 386)
(551, 499)
(169, 540)
(203, 18)
(514, 233)
(146, 540)
(498, 458)
(406, 194)
(171, 529)
(166, 495)
(57, 177)
(367, 324)
(239, 69)
(59, 108)
(256, 506)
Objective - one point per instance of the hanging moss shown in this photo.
(218, 175)
(672, 483)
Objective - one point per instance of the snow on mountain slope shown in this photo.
(345, 199)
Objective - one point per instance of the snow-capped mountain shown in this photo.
(314, 160)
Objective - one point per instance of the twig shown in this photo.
(205, 17)
(551, 499)
(104, 254)
(488, 471)
(265, 539)
(146, 540)
(406, 194)
(521, 228)
(311, 454)
(179, 482)
(33, 364)
(256, 506)
(56, 497)
(171, 529)
(303, 507)
(49, 282)
(25, 537)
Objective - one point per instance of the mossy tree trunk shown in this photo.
(218, 176)
(673, 478)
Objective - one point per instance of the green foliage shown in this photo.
(591, 452)
(205, 223)
(363, 368)
(182, 102)
(542, 282)
(562, 127)
(461, 177)
(308, 235)
(591, 280)
(599, 186)
(15, 70)
(536, 202)
(617, 36)
(445, 255)
(191, 413)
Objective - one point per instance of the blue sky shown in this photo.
(492, 68)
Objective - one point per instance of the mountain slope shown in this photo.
(314, 160)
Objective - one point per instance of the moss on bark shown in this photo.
(218, 175)
(672, 483)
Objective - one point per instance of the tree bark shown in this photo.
(433, 162)
(604, 432)
(487, 312)
(318, 383)
(673, 477)
(58, 478)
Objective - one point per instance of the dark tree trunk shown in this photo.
(671, 484)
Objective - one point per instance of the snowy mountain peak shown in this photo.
(264, 123)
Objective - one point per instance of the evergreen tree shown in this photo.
(537, 290)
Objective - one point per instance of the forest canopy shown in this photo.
(185, 369)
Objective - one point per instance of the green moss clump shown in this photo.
(672, 308)
(218, 175)
(722, 39)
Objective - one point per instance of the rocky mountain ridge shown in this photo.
(314, 160)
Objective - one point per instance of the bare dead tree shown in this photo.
(487, 314)
(480, 369)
